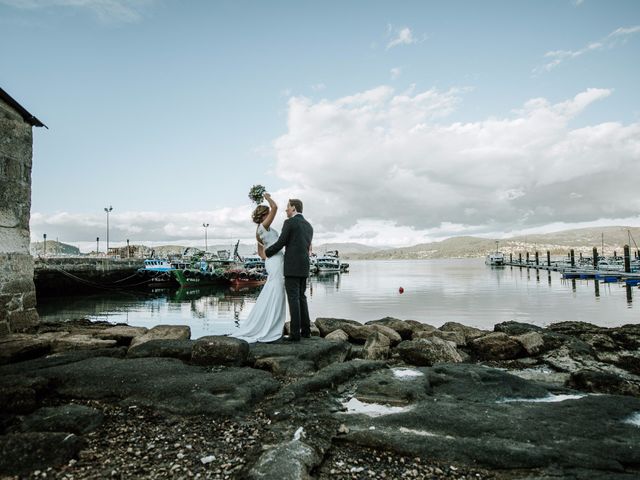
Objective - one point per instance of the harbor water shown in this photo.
(434, 291)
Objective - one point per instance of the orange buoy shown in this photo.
(401, 290)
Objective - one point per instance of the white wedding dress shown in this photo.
(266, 321)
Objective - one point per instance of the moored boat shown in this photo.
(495, 259)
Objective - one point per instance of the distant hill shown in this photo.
(345, 248)
(558, 243)
(53, 247)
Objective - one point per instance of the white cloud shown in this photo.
(395, 73)
(385, 167)
(318, 87)
(402, 36)
(384, 161)
(126, 11)
(617, 37)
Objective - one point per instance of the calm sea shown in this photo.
(435, 292)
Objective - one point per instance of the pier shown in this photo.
(582, 270)
(69, 275)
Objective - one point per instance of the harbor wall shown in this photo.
(72, 275)
(17, 290)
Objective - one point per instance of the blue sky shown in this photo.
(396, 122)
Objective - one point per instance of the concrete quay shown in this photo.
(68, 275)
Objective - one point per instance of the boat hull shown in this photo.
(192, 277)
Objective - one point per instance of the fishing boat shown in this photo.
(495, 259)
(254, 262)
(329, 262)
(245, 278)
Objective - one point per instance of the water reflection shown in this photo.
(435, 292)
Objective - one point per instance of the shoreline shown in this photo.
(393, 397)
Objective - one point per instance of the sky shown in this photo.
(395, 122)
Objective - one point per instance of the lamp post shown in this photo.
(205, 225)
(97, 246)
(128, 249)
(108, 211)
(44, 248)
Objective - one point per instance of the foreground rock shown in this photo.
(169, 406)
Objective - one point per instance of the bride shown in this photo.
(265, 322)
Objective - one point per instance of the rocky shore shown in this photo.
(389, 399)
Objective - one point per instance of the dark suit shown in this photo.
(296, 236)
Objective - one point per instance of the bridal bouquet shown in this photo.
(256, 194)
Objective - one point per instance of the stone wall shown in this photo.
(17, 291)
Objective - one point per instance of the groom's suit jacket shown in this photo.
(296, 236)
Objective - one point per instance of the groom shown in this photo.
(296, 235)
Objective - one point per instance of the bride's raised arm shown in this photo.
(266, 223)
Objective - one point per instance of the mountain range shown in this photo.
(606, 239)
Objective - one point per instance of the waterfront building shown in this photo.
(17, 291)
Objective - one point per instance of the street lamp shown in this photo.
(44, 249)
(97, 246)
(108, 210)
(205, 225)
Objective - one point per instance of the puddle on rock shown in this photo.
(548, 399)
(372, 409)
(406, 373)
(634, 419)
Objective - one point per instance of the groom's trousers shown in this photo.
(298, 309)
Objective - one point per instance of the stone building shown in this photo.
(17, 291)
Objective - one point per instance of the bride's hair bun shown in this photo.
(259, 212)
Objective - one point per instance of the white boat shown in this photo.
(613, 265)
(330, 262)
(495, 259)
(327, 263)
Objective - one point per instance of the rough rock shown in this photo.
(72, 418)
(181, 349)
(604, 382)
(515, 328)
(328, 325)
(22, 453)
(122, 334)
(219, 350)
(338, 335)
(167, 384)
(532, 342)
(20, 347)
(385, 387)
(358, 333)
(400, 326)
(451, 336)
(164, 332)
(288, 461)
(300, 358)
(376, 347)
(80, 342)
(471, 414)
(496, 346)
(417, 326)
(468, 333)
(428, 351)
(393, 336)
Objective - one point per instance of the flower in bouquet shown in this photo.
(256, 194)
